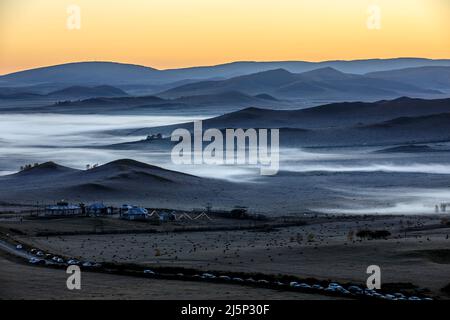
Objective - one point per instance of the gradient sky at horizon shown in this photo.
(180, 33)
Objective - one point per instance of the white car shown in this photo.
(317, 287)
(149, 272)
(19, 247)
(335, 285)
(36, 261)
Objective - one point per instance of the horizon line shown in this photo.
(216, 65)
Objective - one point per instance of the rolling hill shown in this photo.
(111, 73)
(68, 93)
(82, 92)
(335, 115)
(400, 121)
(325, 82)
(57, 103)
(118, 180)
(424, 77)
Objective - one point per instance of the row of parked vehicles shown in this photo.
(332, 288)
(42, 258)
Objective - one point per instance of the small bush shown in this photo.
(373, 234)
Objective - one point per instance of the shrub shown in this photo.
(373, 234)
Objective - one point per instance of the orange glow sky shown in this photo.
(179, 33)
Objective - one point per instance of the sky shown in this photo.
(179, 33)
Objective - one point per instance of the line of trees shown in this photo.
(29, 166)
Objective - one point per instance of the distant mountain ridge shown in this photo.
(401, 121)
(112, 73)
(72, 92)
(97, 91)
(125, 103)
(335, 115)
(324, 82)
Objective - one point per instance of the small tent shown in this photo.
(203, 216)
(184, 216)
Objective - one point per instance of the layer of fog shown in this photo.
(372, 167)
(69, 130)
(395, 201)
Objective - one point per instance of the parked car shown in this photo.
(150, 272)
(36, 261)
(262, 281)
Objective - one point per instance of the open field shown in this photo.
(321, 248)
(20, 281)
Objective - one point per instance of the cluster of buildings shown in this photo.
(64, 208)
(126, 212)
(137, 213)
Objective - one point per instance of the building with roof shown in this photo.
(97, 209)
(134, 213)
(62, 208)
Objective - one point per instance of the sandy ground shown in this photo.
(416, 253)
(19, 281)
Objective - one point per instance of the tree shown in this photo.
(350, 235)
